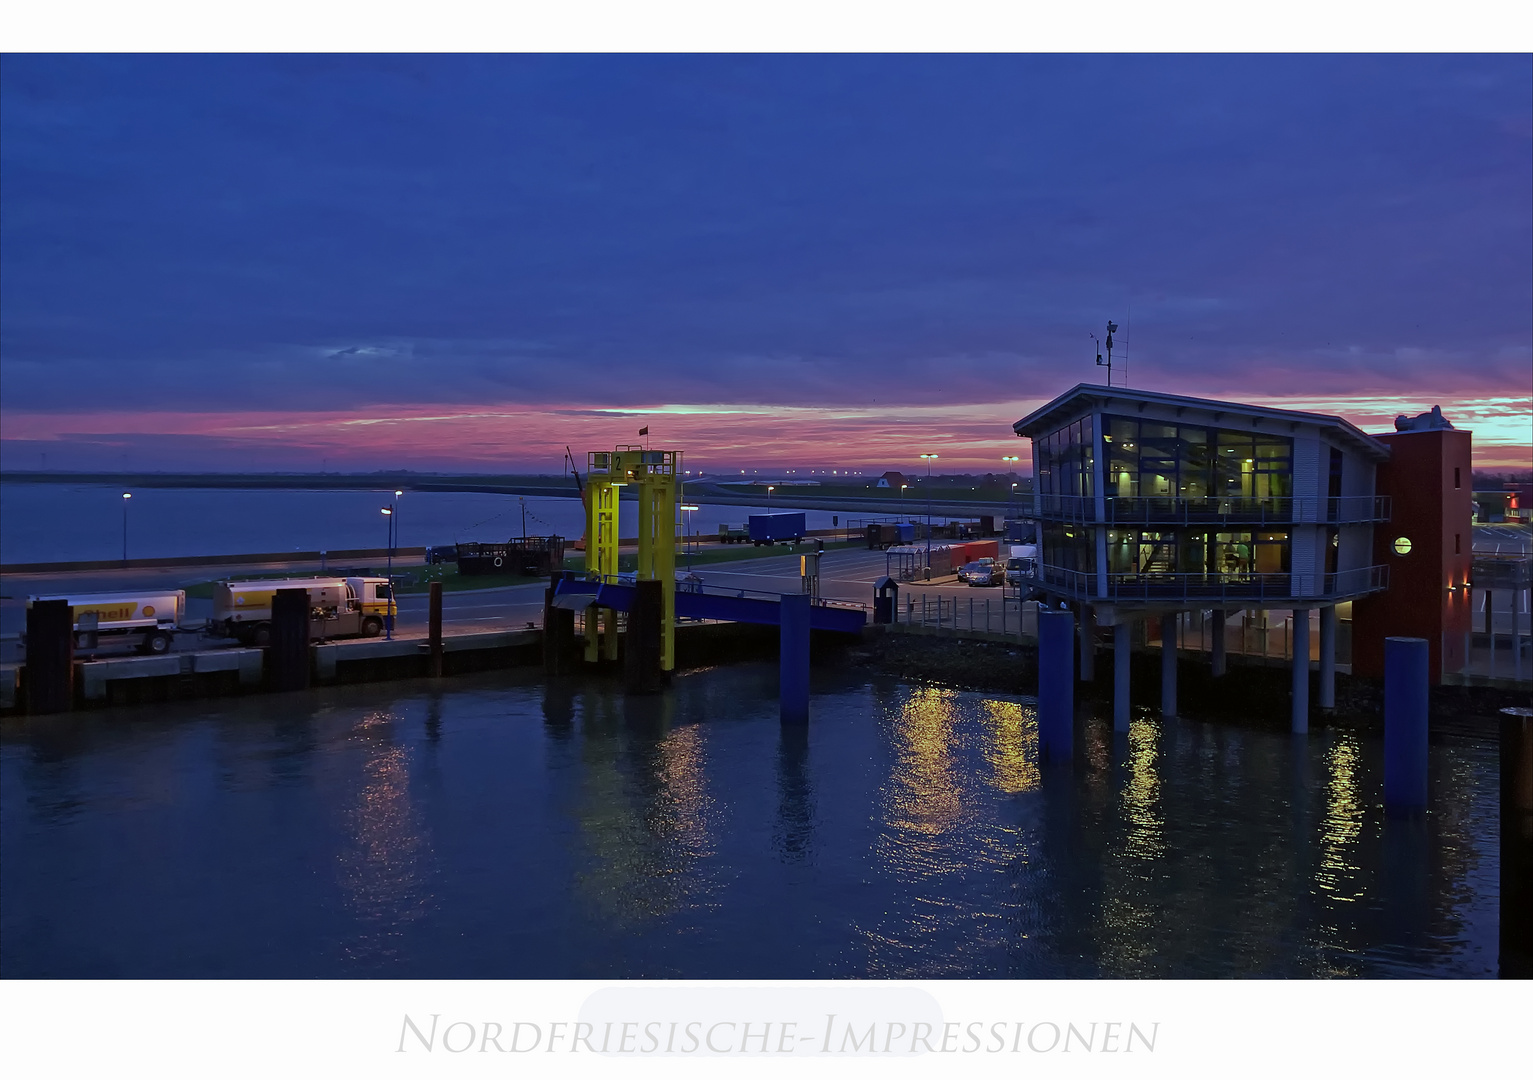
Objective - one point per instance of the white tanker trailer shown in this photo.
(152, 617)
(338, 607)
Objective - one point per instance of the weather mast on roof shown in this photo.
(1112, 328)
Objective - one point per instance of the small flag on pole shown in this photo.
(644, 431)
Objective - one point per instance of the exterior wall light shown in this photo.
(1402, 545)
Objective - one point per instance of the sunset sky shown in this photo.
(449, 262)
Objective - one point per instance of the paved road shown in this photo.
(847, 575)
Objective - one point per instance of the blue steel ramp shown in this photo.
(735, 606)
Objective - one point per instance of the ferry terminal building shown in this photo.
(1151, 505)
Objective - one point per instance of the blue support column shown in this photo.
(1328, 657)
(1301, 671)
(1405, 723)
(794, 650)
(1168, 666)
(1056, 684)
(1121, 652)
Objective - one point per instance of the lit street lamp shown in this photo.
(126, 495)
(770, 489)
(691, 541)
(1011, 472)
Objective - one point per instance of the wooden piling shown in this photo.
(642, 648)
(50, 672)
(434, 629)
(288, 654)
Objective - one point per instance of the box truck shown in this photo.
(338, 607)
(151, 617)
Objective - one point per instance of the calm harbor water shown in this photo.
(500, 828)
(60, 522)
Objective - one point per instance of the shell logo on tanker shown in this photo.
(110, 614)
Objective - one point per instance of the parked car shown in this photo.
(986, 572)
(979, 567)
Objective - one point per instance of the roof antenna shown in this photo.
(1112, 328)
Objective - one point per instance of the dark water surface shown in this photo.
(501, 829)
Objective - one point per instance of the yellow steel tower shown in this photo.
(654, 473)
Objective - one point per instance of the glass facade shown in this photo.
(1065, 460)
(1149, 459)
(1157, 471)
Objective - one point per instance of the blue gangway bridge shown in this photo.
(694, 601)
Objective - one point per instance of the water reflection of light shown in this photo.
(937, 837)
(383, 869)
(1145, 836)
(1011, 743)
(1133, 922)
(923, 798)
(1336, 878)
(646, 817)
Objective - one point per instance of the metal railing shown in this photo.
(1265, 587)
(1153, 510)
(1005, 614)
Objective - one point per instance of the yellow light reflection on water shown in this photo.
(646, 815)
(1145, 835)
(1336, 877)
(1011, 745)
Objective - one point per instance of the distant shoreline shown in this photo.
(944, 500)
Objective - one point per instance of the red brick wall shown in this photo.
(1429, 510)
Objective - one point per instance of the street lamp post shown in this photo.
(388, 606)
(691, 541)
(770, 489)
(126, 495)
(928, 458)
(1011, 472)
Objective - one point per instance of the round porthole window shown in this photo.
(1402, 545)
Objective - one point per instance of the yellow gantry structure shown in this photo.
(654, 473)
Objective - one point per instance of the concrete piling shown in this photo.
(288, 654)
(1122, 652)
(1168, 665)
(1217, 664)
(50, 675)
(434, 629)
(1300, 692)
(1087, 631)
(1056, 685)
(794, 658)
(1405, 724)
(1328, 657)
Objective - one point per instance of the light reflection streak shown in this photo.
(938, 837)
(1132, 922)
(1337, 877)
(385, 868)
(646, 814)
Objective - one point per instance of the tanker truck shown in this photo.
(338, 607)
(151, 617)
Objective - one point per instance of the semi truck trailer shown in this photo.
(151, 617)
(776, 528)
(338, 607)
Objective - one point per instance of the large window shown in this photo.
(1065, 460)
(1070, 547)
(1150, 459)
(1199, 553)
